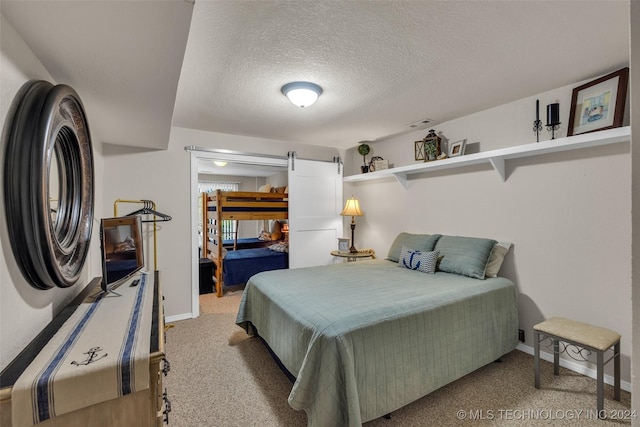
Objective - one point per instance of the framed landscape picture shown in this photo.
(599, 104)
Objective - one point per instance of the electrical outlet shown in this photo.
(521, 335)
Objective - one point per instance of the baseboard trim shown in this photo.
(574, 366)
(183, 316)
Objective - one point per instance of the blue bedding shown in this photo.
(117, 269)
(242, 241)
(247, 243)
(240, 265)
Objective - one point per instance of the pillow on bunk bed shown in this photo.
(280, 247)
(264, 188)
(275, 234)
(264, 235)
(276, 230)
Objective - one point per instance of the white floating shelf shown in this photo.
(497, 158)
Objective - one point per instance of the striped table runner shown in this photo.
(100, 353)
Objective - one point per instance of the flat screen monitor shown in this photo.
(122, 249)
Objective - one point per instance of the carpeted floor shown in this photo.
(221, 377)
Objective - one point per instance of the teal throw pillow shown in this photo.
(418, 242)
(467, 256)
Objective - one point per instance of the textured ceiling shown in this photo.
(382, 64)
(122, 57)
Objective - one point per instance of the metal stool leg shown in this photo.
(600, 381)
(616, 371)
(556, 356)
(536, 357)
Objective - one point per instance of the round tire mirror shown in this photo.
(48, 185)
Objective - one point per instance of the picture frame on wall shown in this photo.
(419, 149)
(599, 104)
(457, 148)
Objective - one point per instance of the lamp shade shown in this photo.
(352, 208)
(302, 94)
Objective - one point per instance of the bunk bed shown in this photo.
(236, 266)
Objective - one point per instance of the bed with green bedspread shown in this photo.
(366, 338)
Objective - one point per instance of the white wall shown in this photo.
(567, 214)
(279, 179)
(24, 310)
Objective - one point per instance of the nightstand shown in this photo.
(354, 256)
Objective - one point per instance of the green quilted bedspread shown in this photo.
(366, 338)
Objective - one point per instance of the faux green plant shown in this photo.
(431, 149)
(364, 149)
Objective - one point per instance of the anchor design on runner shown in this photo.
(92, 356)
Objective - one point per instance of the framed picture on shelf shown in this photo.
(378, 163)
(343, 244)
(419, 149)
(457, 148)
(599, 104)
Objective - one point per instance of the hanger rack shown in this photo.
(149, 208)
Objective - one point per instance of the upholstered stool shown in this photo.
(585, 336)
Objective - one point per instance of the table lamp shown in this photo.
(352, 208)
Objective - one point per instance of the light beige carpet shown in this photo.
(222, 377)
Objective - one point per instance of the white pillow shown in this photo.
(265, 188)
(500, 249)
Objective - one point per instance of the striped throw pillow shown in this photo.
(418, 260)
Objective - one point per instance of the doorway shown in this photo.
(248, 171)
(314, 205)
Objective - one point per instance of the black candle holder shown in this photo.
(553, 118)
(537, 127)
(553, 127)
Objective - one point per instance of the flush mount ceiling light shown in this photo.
(219, 163)
(302, 94)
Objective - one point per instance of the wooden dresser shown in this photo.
(148, 407)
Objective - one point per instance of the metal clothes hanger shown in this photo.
(148, 209)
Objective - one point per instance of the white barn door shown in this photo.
(315, 203)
